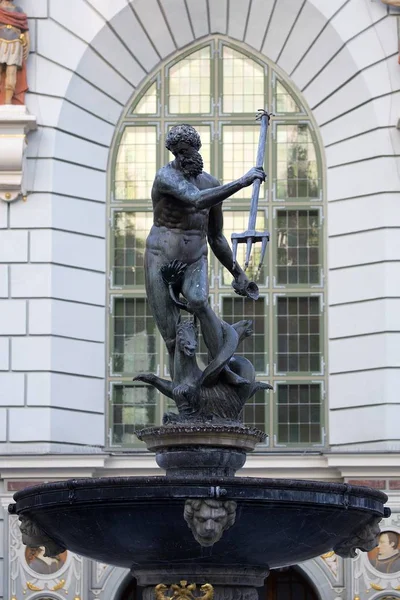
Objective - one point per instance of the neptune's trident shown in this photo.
(251, 235)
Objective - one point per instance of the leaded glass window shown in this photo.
(130, 229)
(136, 163)
(243, 82)
(190, 84)
(283, 100)
(299, 409)
(217, 87)
(256, 411)
(133, 407)
(148, 103)
(298, 334)
(297, 245)
(296, 163)
(134, 347)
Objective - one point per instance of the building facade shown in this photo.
(106, 82)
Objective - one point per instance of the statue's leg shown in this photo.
(11, 82)
(163, 309)
(195, 289)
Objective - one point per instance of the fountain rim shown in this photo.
(189, 487)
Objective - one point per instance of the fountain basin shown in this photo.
(138, 522)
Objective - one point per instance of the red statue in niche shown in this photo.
(14, 50)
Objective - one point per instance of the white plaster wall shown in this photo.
(89, 57)
(52, 255)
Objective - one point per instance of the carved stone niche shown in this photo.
(15, 123)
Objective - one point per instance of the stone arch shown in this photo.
(318, 579)
(326, 60)
(115, 583)
(121, 591)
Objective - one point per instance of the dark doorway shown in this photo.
(129, 590)
(288, 584)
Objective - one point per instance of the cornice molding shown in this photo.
(330, 466)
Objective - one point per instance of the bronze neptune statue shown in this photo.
(187, 205)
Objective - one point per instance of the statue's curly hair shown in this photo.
(182, 134)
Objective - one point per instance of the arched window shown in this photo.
(217, 87)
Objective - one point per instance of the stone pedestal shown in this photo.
(197, 449)
(15, 123)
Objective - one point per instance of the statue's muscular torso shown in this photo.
(180, 229)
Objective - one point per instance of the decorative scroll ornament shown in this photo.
(208, 519)
(183, 591)
(33, 537)
(59, 585)
(377, 587)
(364, 539)
(33, 588)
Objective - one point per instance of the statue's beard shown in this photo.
(191, 163)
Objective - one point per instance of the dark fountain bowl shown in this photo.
(139, 523)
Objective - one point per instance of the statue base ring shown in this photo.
(194, 449)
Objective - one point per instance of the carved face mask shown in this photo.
(208, 519)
